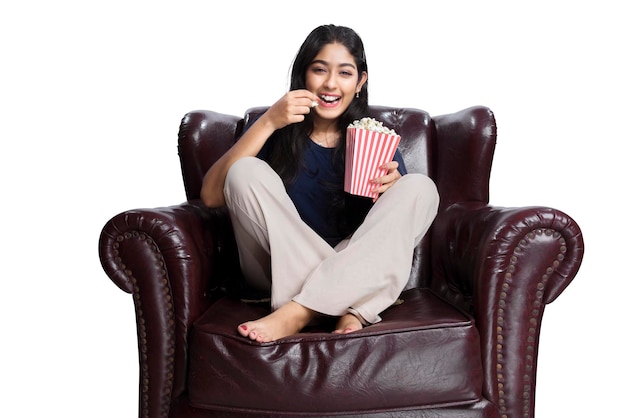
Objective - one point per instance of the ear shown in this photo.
(361, 81)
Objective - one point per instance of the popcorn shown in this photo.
(369, 145)
(371, 124)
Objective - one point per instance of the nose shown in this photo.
(331, 81)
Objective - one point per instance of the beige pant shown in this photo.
(363, 274)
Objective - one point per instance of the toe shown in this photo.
(243, 330)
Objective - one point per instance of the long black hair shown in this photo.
(286, 157)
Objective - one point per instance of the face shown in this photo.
(333, 77)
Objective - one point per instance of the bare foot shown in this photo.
(287, 320)
(347, 324)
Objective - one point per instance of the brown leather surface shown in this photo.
(424, 353)
(482, 409)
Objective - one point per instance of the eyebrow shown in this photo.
(346, 64)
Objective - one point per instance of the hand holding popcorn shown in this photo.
(369, 146)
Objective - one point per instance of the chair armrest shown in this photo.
(505, 265)
(166, 258)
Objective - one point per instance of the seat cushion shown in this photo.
(424, 353)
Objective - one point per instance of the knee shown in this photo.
(421, 186)
(239, 169)
(242, 172)
(246, 173)
(420, 193)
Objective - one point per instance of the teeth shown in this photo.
(329, 98)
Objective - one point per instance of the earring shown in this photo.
(357, 94)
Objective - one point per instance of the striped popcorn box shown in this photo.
(366, 151)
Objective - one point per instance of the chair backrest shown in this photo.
(462, 174)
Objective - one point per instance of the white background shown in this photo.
(92, 94)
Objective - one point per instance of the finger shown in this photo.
(299, 107)
(302, 110)
(310, 103)
(382, 184)
(391, 165)
(303, 105)
(377, 192)
(303, 94)
(312, 99)
(387, 178)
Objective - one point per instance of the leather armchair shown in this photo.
(463, 343)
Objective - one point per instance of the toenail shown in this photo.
(243, 327)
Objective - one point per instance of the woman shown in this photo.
(318, 250)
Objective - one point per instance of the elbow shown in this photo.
(212, 191)
(210, 198)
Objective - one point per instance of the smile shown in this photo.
(329, 100)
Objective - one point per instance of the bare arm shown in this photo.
(289, 109)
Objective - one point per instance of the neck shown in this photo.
(324, 126)
(328, 139)
(325, 133)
